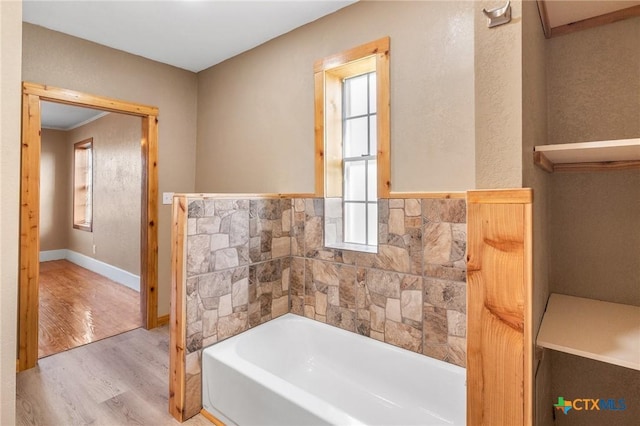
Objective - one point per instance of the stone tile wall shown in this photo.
(237, 267)
(249, 261)
(411, 294)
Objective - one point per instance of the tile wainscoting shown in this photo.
(411, 294)
(250, 260)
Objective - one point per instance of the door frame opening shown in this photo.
(29, 251)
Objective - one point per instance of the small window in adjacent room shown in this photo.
(83, 185)
(352, 143)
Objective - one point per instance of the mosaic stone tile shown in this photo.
(269, 233)
(444, 210)
(456, 323)
(268, 296)
(437, 351)
(208, 225)
(435, 325)
(250, 261)
(195, 209)
(446, 294)
(232, 324)
(393, 306)
(198, 254)
(444, 238)
(193, 384)
(403, 335)
(296, 286)
(192, 226)
(297, 227)
(444, 272)
(438, 239)
(457, 351)
(399, 236)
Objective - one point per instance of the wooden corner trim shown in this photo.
(501, 196)
(544, 18)
(596, 21)
(543, 162)
(427, 195)
(213, 419)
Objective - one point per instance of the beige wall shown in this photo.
(55, 189)
(534, 132)
(498, 98)
(255, 111)
(10, 55)
(116, 192)
(594, 94)
(60, 60)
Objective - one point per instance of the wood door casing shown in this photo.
(32, 95)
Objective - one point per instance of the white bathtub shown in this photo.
(296, 371)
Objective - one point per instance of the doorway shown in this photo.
(32, 96)
(90, 183)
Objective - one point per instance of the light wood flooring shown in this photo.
(116, 381)
(78, 306)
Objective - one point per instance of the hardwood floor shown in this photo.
(78, 306)
(120, 380)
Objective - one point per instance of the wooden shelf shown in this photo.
(619, 154)
(604, 331)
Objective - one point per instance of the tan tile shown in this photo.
(403, 335)
(411, 304)
(456, 323)
(321, 304)
(396, 221)
(392, 310)
(437, 240)
(457, 351)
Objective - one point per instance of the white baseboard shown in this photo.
(48, 255)
(113, 273)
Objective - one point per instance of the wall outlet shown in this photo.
(167, 197)
(94, 249)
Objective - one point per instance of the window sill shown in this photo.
(354, 247)
(83, 227)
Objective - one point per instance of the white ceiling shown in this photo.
(66, 117)
(193, 35)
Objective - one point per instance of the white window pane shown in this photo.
(355, 137)
(355, 96)
(372, 230)
(373, 134)
(355, 223)
(354, 180)
(372, 93)
(372, 181)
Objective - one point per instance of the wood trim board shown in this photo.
(177, 323)
(596, 21)
(29, 251)
(499, 309)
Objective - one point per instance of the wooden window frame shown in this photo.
(328, 75)
(85, 224)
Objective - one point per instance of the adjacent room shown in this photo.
(320, 212)
(90, 183)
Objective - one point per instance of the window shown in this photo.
(352, 143)
(83, 185)
(359, 172)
